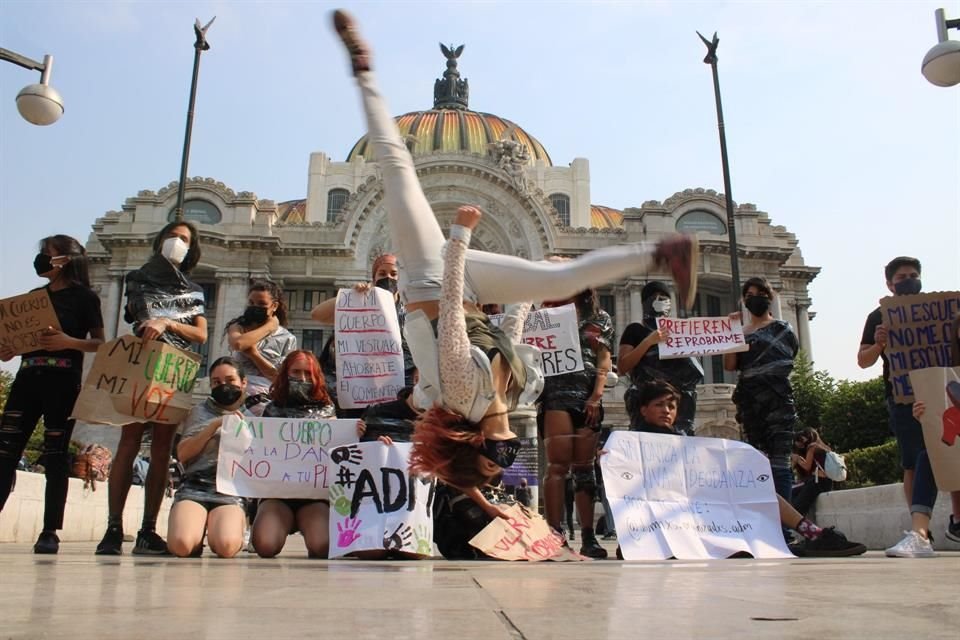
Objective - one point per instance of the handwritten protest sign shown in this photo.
(369, 353)
(939, 390)
(690, 498)
(701, 337)
(525, 535)
(377, 505)
(556, 333)
(23, 319)
(524, 466)
(918, 335)
(279, 457)
(133, 380)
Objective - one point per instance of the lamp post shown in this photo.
(199, 47)
(39, 104)
(941, 65)
(711, 59)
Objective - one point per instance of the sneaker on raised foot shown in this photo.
(112, 542)
(47, 542)
(590, 547)
(913, 545)
(832, 544)
(953, 530)
(149, 543)
(680, 254)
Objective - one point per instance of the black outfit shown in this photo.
(805, 494)
(394, 419)
(47, 385)
(764, 397)
(874, 320)
(158, 289)
(684, 374)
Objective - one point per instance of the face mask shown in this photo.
(501, 452)
(757, 305)
(174, 250)
(42, 264)
(254, 316)
(661, 307)
(387, 283)
(908, 287)
(226, 395)
(301, 391)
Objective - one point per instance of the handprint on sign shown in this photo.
(348, 532)
(398, 539)
(350, 453)
(423, 539)
(341, 503)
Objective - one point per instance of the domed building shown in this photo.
(533, 209)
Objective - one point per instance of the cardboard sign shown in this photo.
(939, 390)
(23, 319)
(690, 498)
(279, 457)
(369, 353)
(133, 380)
(556, 332)
(918, 335)
(524, 536)
(701, 337)
(375, 504)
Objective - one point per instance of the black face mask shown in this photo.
(42, 264)
(254, 316)
(301, 391)
(501, 452)
(387, 283)
(908, 287)
(757, 305)
(226, 395)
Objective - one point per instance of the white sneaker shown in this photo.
(913, 545)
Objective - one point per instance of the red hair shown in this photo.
(280, 389)
(447, 447)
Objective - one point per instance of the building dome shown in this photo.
(451, 126)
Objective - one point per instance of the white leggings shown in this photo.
(490, 277)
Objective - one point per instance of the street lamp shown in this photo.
(199, 47)
(38, 103)
(941, 65)
(711, 59)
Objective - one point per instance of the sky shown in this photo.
(831, 129)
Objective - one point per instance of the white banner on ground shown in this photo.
(280, 457)
(376, 505)
(700, 337)
(368, 348)
(555, 331)
(690, 498)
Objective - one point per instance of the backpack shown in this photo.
(835, 467)
(92, 464)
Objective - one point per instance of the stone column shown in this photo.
(622, 309)
(803, 328)
(231, 300)
(636, 303)
(112, 304)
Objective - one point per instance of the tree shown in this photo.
(811, 391)
(855, 415)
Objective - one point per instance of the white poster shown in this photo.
(701, 337)
(375, 504)
(938, 388)
(556, 333)
(690, 498)
(368, 348)
(280, 457)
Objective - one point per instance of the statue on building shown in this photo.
(512, 156)
(451, 92)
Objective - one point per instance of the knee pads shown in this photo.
(585, 479)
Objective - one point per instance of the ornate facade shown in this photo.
(532, 209)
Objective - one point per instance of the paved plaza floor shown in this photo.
(78, 595)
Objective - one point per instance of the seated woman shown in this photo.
(197, 506)
(298, 391)
(483, 278)
(658, 403)
(809, 456)
(260, 340)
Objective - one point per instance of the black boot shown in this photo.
(589, 546)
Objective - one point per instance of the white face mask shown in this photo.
(174, 250)
(661, 307)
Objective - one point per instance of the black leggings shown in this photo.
(36, 392)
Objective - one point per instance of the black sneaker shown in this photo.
(619, 553)
(149, 543)
(112, 542)
(953, 530)
(47, 542)
(832, 544)
(591, 548)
